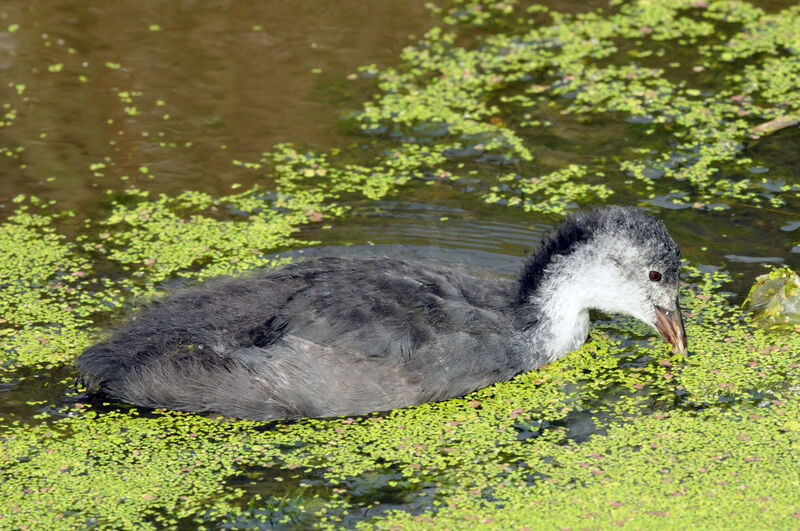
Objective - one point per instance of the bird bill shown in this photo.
(670, 324)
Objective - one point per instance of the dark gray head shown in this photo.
(614, 259)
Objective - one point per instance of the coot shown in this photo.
(347, 336)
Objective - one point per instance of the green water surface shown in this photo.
(149, 146)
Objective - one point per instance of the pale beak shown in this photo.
(670, 324)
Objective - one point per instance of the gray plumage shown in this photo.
(344, 336)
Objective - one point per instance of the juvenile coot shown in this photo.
(345, 336)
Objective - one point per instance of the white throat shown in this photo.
(564, 318)
(574, 284)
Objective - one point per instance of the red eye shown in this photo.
(655, 276)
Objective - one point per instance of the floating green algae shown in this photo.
(480, 89)
(775, 299)
(173, 236)
(557, 191)
(620, 432)
(704, 439)
(49, 290)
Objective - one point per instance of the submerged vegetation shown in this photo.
(775, 299)
(620, 432)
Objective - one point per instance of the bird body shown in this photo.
(343, 336)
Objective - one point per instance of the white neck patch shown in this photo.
(587, 278)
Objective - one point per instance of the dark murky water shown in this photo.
(291, 86)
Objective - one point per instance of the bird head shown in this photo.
(614, 259)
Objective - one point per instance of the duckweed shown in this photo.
(695, 440)
(775, 299)
(49, 290)
(478, 89)
(557, 190)
(621, 432)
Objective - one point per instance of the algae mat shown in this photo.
(513, 111)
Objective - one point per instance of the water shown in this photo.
(292, 87)
(194, 66)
